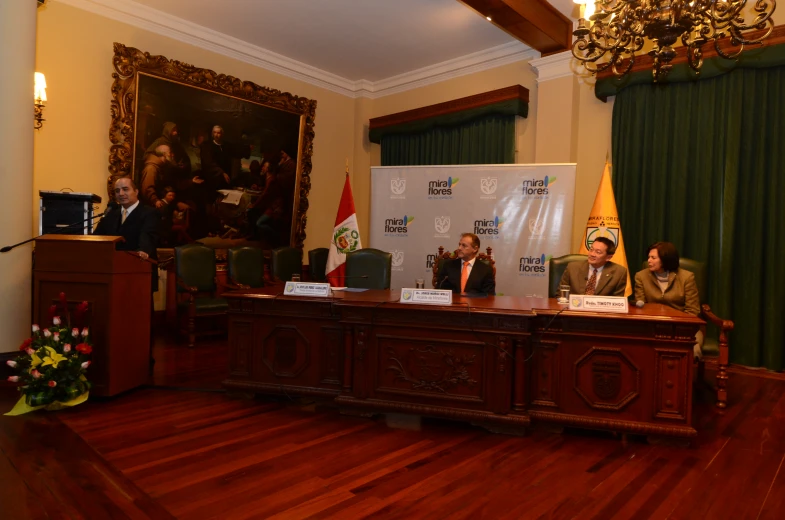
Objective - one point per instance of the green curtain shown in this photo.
(702, 164)
(486, 140)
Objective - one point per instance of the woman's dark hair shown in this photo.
(668, 254)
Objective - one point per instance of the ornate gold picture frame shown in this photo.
(149, 92)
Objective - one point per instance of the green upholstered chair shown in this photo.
(245, 267)
(373, 263)
(442, 257)
(195, 270)
(317, 264)
(556, 270)
(714, 347)
(284, 262)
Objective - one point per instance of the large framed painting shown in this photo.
(217, 156)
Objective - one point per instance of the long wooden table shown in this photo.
(502, 362)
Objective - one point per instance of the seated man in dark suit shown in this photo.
(465, 274)
(598, 275)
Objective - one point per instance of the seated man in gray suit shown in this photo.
(598, 275)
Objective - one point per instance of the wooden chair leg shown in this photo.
(722, 378)
(191, 325)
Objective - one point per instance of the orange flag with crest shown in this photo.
(604, 222)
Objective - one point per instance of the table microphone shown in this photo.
(439, 286)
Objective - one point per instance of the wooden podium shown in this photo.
(117, 286)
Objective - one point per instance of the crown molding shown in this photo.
(478, 61)
(553, 67)
(153, 20)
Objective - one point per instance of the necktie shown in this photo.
(464, 276)
(124, 216)
(592, 282)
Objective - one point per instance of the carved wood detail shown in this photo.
(671, 381)
(599, 423)
(607, 379)
(545, 376)
(331, 356)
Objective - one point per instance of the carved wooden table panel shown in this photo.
(489, 361)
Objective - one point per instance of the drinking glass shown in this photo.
(295, 277)
(564, 294)
(419, 283)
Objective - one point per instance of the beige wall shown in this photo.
(74, 50)
(72, 149)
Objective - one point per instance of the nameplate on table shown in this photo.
(307, 289)
(426, 296)
(584, 302)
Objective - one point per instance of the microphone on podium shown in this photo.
(439, 285)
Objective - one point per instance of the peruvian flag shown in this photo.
(345, 239)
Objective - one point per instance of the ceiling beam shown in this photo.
(534, 22)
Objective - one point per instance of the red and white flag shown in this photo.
(346, 238)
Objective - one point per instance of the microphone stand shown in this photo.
(6, 249)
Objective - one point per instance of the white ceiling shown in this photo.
(351, 44)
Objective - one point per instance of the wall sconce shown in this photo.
(39, 97)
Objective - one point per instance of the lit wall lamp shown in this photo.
(39, 97)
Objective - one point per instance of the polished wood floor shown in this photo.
(181, 448)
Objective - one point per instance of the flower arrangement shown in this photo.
(53, 362)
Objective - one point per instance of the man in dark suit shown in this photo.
(136, 223)
(597, 275)
(465, 274)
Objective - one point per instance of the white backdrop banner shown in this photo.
(523, 211)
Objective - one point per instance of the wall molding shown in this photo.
(554, 66)
(155, 21)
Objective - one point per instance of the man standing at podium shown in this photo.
(465, 274)
(136, 223)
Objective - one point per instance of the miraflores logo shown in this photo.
(442, 226)
(397, 260)
(537, 188)
(488, 187)
(429, 261)
(441, 189)
(488, 228)
(398, 188)
(533, 265)
(397, 226)
(536, 227)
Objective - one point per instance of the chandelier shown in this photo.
(619, 29)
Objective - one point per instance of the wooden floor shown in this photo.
(181, 448)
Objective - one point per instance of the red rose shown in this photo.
(52, 384)
(84, 348)
(26, 343)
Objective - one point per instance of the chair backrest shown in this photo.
(698, 269)
(556, 269)
(442, 257)
(373, 263)
(195, 266)
(286, 261)
(246, 266)
(317, 263)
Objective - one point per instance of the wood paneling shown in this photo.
(450, 107)
(534, 22)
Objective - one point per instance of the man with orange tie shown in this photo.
(465, 274)
(598, 275)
